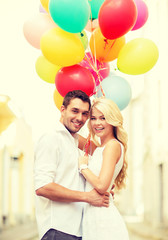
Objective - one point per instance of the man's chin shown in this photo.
(76, 128)
(73, 130)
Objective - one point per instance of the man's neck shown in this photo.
(61, 121)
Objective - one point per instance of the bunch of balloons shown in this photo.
(73, 61)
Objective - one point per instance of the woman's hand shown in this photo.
(83, 160)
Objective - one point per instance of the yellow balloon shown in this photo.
(137, 56)
(37, 26)
(62, 48)
(45, 4)
(46, 70)
(58, 99)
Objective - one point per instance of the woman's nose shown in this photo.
(97, 122)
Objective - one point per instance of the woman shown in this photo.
(106, 166)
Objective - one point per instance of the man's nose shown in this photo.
(79, 117)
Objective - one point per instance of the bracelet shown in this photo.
(82, 166)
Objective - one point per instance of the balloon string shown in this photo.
(98, 75)
(91, 19)
(93, 57)
(97, 72)
(93, 63)
(94, 47)
(101, 86)
(87, 145)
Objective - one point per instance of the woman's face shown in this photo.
(99, 125)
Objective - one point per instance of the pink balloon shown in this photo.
(92, 25)
(35, 27)
(142, 14)
(99, 70)
(41, 9)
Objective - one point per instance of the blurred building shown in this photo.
(16, 162)
(146, 195)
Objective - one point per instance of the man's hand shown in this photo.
(98, 200)
(111, 191)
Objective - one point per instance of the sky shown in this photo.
(18, 78)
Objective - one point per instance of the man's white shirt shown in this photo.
(56, 160)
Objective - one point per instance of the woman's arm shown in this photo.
(111, 155)
(82, 143)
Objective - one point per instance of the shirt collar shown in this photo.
(60, 127)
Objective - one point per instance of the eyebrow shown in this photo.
(79, 110)
(99, 116)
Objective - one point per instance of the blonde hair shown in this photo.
(114, 117)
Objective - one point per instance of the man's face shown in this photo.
(75, 115)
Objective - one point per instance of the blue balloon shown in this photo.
(117, 89)
(95, 7)
(70, 15)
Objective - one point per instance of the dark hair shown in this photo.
(76, 94)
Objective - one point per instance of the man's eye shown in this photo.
(92, 118)
(85, 114)
(74, 111)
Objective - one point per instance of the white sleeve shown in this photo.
(46, 159)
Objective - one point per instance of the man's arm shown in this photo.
(56, 192)
(44, 173)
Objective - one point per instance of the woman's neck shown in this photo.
(105, 140)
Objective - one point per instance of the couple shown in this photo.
(64, 209)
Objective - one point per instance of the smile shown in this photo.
(77, 124)
(99, 129)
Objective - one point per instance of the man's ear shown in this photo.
(62, 108)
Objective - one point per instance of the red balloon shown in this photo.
(117, 17)
(74, 77)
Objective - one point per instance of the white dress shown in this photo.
(101, 223)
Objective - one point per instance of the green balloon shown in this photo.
(117, 89)
(95, 7)
(70, 15)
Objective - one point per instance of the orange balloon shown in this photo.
(58, 99)
(105, 50)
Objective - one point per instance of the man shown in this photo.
(58, 184)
